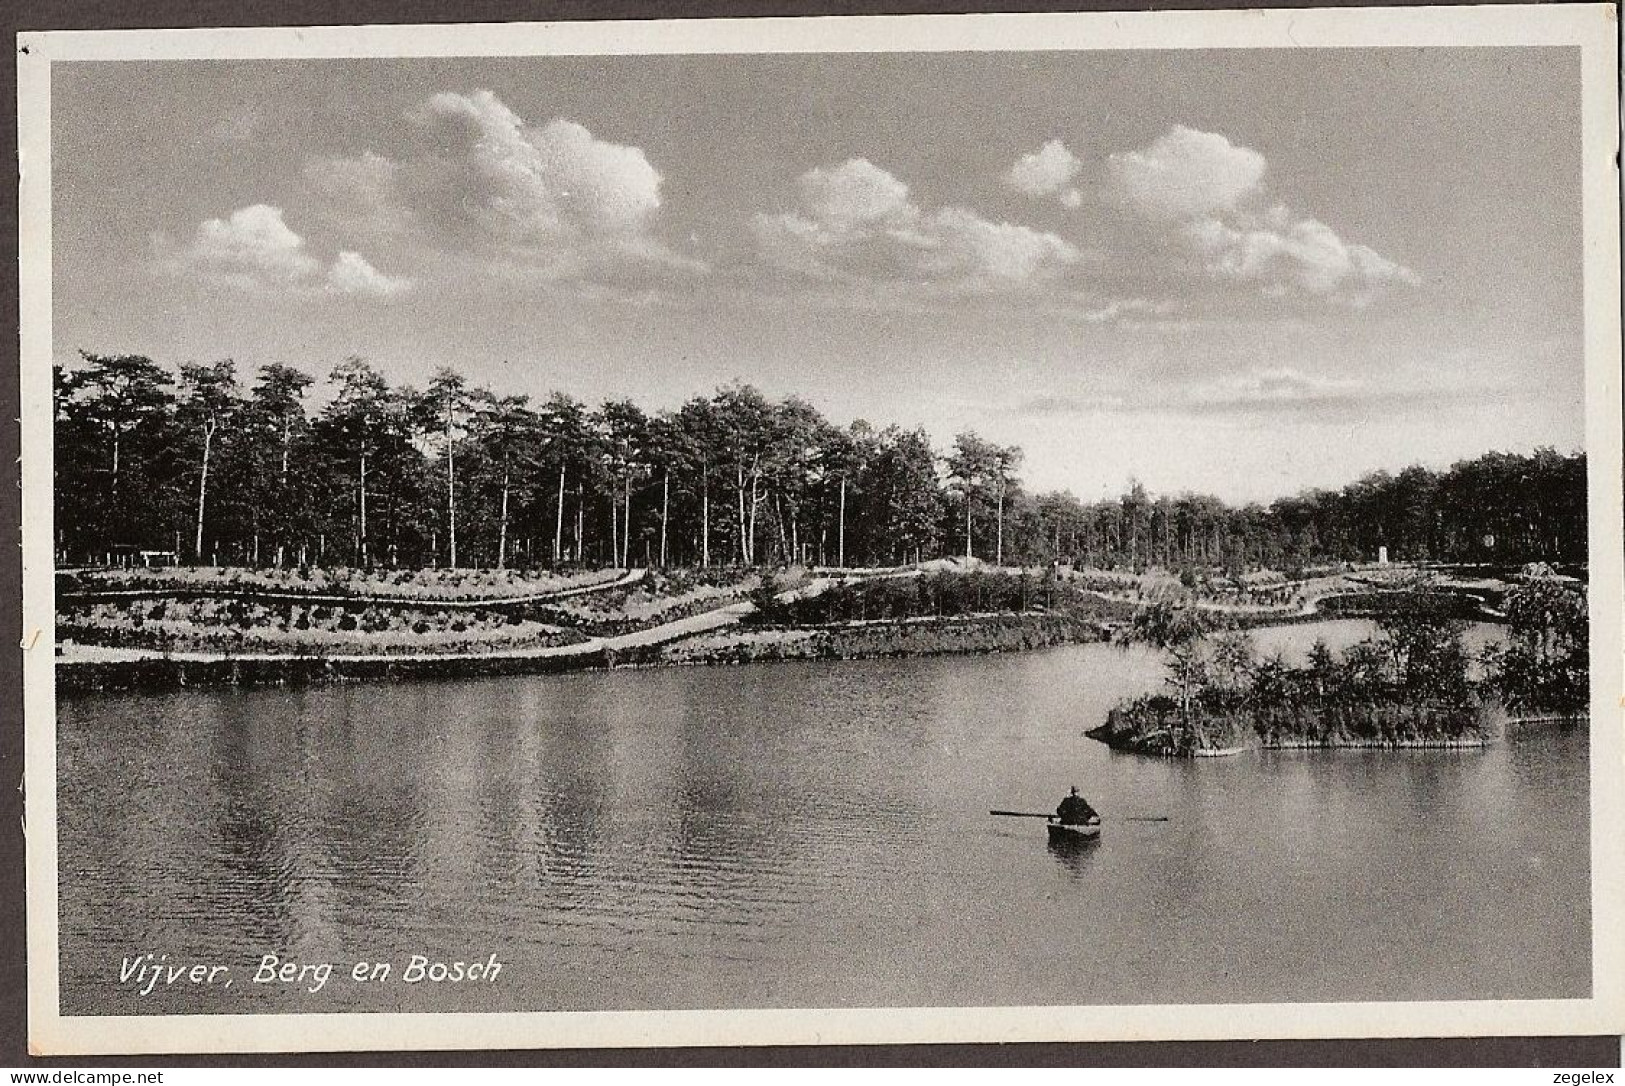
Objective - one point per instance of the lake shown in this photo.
(799, 834)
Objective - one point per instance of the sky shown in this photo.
(1236, 272)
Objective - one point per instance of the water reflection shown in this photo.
(1074, 854)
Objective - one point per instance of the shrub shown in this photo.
(1545, 665)
(765, 594)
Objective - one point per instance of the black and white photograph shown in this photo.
(862, 529)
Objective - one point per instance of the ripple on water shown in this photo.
(786, 835)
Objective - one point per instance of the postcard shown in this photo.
(823, 531)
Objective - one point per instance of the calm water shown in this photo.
(798, 835)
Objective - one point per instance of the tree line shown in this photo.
(203, 463)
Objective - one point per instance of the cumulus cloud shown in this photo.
(524, 184)
(856, 221)
(1185, 174)
(481, 181)
(854, 194)
(351, 273)
(1307, 254)
(255, 249)
(252, 245)
(1048, 171)
(1209, 192)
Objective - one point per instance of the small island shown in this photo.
(1414, 684)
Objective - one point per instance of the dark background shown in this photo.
(1583, 1052)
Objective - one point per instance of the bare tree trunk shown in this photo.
(361, 536)
(581, 520)
(282, 484)
(614, 539)
(755, 501)
(967, 526)
(778, 521)
(451, 494)
(665, 513)
(705, 519)
(558, 527)
(203, 486)
(998, 559)
(739, 494)
(841, 544)
(502, 533)
(626, 532)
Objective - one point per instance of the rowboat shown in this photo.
(1063, 833)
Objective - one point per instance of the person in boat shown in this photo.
(1075, 811)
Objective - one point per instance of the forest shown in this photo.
(203, 464)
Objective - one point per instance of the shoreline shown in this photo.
(1159, 742)
(711, 639)
(1480, 742)
(1309, 744)
(718, 635)
(151, 671)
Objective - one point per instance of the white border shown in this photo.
(1592, 27)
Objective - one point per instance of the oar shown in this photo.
(1124, 818)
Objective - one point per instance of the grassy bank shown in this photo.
(730, 646)
(963, 635)
(156, 674)
(237, 626)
